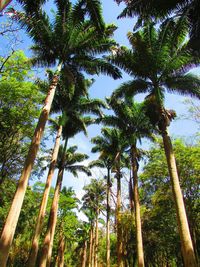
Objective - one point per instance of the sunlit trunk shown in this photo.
(108, 221)
(61, 251)
(96, 239)
(45, 258)
(186, 241)
(91, 246)
(14, 212)
(118, 213)
(139, 243)
(40, 219)
(84, 259)
(131, 200)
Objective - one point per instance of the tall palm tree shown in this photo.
(40, 219)
(159, 62)
(74, 123)
(105, 163)
(93, 199)
(73, 46)
(111, 146)
(129, 117)
(77, 103)
(68, 160)
(156, 10)
(106, 160)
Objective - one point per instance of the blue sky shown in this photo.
(105, 85)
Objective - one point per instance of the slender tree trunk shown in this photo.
(47, 244)
(131, 200)
(91, 246)
(96, 240)
(186, 241)
(119, 227)
(108, 221)
(45, 258)
(84, 260)
(139, 243)
(14, 212)
(40, 219)
(61, 252)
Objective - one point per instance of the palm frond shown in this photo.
(188, 85)
(132, 88)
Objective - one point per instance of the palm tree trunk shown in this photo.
(84, 254)
(139, 243)
(14, 212)
(119, 227)
(108, 221)
(61, 251)
(47, 244)
(186, 241)
(45, 259)
(34, 249)
(91, 246)
(131, 200)
(96, 240)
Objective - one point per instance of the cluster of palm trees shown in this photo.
(158, 61)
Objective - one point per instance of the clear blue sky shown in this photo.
(104, 86)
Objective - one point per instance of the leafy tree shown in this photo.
(67, 223)
(160, 64)
(19, 104)
(156, 196)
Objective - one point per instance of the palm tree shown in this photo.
(67, 161)
(77, 103)
(159, 61)
(111, 145)
(93, 200)
(74, 123)
(40, 219)
(83, 234)
(129, 117)
(71, 45)
(156, 10)
(67, 203)
(105, 163)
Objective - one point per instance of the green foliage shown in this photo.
(19, 107)
(160, 216)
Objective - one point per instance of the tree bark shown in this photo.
(185, 237)
(139, 243)
(61, 252)
(119, 227)
(131, 200)
(47, 244)
(40, 219)
(108, 221)
(45, 258)
(96, 239)
(84, 254)
(91, 246)
(14, 212)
